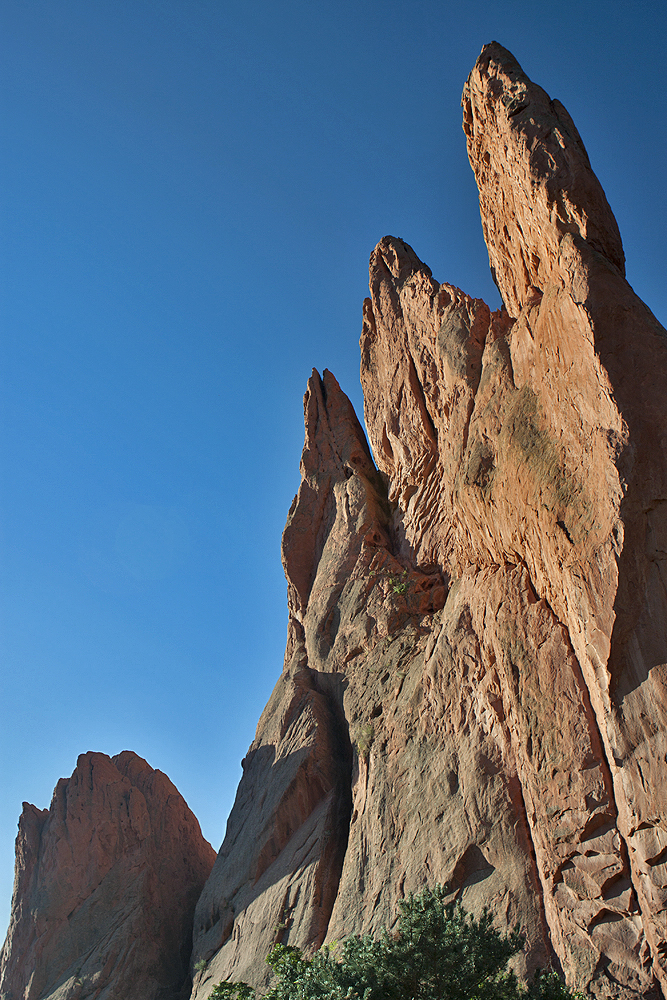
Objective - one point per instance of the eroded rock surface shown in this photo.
(474, 685)
(278, 871)
(105, 888)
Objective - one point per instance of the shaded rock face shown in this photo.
(278, 870)
(105, 889)
(474, 684)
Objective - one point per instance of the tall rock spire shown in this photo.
(278, 872)
(486, 614)
(534, 177)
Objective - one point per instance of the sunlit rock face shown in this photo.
(474, 687)
(105, 888)
(474, 684)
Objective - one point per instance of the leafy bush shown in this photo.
(364, 740)
(232, 991)
(438, 952)
(399, 584)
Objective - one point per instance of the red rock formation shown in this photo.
(105, 888)
(476, 666)
(278, 870)
(477, 640)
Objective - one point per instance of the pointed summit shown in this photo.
(534, 177)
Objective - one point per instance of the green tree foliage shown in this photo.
(232, 991)
(437, 952)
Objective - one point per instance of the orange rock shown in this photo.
(540, 442)
(278, 870)
(534, 177)
(486, 620)
(106, 884)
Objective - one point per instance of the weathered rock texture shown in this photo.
(475, 681)
(106, 884)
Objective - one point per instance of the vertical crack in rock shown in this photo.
(538, 879)
(590, 818)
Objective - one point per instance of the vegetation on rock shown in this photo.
(364, 740)
(437, 952)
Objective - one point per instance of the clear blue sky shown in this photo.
(190, 193)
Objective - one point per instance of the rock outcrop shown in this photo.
(105, 889)
(474, 683)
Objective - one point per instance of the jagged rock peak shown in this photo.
(335, 451)
(480, 627)
(278, 876)
(106, 884)
(534, 177)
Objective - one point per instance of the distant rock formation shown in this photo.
(475, 680)
(106, 884)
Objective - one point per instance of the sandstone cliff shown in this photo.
(475, 679)
(474, 682)
(105, 888)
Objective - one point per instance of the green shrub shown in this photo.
(232, 991)
(437, 952)
(364, 740)
(399, 584)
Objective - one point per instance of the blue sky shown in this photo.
(190, 193)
